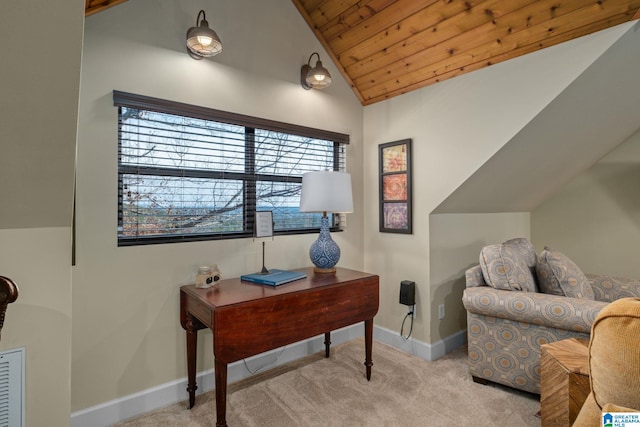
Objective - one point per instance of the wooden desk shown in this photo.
(248, 319)
(564, 381)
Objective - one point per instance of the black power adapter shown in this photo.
(408, 292)
(408, 298)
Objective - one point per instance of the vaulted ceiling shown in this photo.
(384, 48)
(95, 6)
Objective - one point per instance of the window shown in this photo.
(189, 173)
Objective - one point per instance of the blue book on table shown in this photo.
(274, 277)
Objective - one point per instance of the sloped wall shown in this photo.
(595, 219)
(594, 114)
(456, 127)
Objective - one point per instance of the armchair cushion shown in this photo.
(526, 249)
(558, 275)
(503, 267)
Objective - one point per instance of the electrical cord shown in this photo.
(265, 365)
(409, 314)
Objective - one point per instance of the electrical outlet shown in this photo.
(441, 311)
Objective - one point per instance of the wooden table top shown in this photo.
(234, 291)
(571, 353)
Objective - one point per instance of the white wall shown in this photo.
(595, 219)
(39, 85)
(126, 332)
(455, 126)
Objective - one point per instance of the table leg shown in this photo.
(368, 342)
(327, 343)
(221, 393)
(192, 340)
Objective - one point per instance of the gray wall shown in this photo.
(125, 299)
(595, 219)
(41, 44)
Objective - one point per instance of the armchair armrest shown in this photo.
(609, 288)
(474, 277)
(570, 314)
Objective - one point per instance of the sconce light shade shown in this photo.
(324, 192)
(317, 77)
(202, 41)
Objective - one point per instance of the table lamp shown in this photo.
(325, 191)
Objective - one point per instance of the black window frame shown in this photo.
(249, 177)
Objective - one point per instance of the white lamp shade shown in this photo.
(326, 191)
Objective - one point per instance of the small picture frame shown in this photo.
(395, 187)
(264, 224)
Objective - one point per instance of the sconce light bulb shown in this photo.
(204, 40)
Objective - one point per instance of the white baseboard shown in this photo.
(117, 410)
(426, 351)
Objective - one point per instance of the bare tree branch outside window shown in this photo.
(185, 177)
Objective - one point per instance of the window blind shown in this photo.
(191, 173)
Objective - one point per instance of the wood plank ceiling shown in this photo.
(385, 48)
(95, 6)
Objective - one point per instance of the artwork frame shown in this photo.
(395, 187)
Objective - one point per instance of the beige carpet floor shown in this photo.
(404, 391)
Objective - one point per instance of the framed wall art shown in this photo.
(395, 187)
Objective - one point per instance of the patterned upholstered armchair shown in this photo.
(516, 301)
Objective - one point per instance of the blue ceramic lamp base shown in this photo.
(324, 252)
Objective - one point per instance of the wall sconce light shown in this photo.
(202, 41)
(317, 77)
